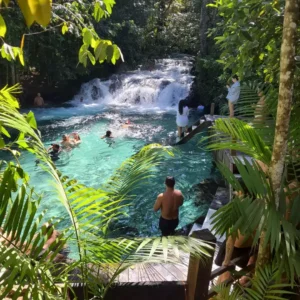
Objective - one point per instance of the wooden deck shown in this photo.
(156, 272)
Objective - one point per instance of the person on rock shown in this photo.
(169, 203)
(233, 94)
(182, 118)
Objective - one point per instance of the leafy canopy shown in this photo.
(72, 17)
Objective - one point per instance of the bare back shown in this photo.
(38, 101)
(171, 200)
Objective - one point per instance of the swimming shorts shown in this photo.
(245, 252)
(167, 227)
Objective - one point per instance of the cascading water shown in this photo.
(149, 99)
(161, 88)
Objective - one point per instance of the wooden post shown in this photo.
(199, 270)
(212, 109)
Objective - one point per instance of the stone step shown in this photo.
(221, 198)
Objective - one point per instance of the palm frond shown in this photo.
(266, 286)
(238, 135)
(22, 238)
(226, 292)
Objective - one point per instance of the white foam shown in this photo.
(153, 91)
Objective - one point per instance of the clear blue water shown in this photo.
(93, 162)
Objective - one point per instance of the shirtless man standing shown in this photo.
(38, 100)
(169, 203)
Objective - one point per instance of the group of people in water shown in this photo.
(68, 142)
(73, 140)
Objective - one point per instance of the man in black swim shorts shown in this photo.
(169, 203)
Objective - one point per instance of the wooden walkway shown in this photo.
(155, 272)
(203, 123)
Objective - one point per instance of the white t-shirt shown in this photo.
(183, 120)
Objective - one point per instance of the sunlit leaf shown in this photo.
(2, 143)
(64, 28)
(109, 53)
(87, 36)
(31, 120)
(36, 10)
(21, 57)
(91, 57)
(2, 27)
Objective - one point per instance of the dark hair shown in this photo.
(56, 146)
(170, 182)
(235, 77)
(108, 133)
(181, 105)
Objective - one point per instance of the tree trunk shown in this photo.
(203, 28)
(13, 73)
(287, 69)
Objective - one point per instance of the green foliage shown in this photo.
(207, 72)
(256, 212)
(246, 139)
(264, 286)
(73, 17)
(246, 48)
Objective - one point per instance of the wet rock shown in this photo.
(116, 83)
(200, 220)
(163, 84)
(137, 100)
(185, 230)
(205, 191)
(118, 228)
(96, 93)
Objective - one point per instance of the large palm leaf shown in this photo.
(22, 238)
(264, 286)
(257, 213)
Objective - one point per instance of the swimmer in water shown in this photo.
(109, 138)
(54, 149)
(108, 135)
(76, 139)
(66, 143)
(127, 124)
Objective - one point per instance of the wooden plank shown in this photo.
(183, 268)
(143, 274)
(152, 273)
(176, 272)
(165, 273)
(199, 128)
(124, 276)
(133, 275)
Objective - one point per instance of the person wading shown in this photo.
(169, 203)
(39, 101)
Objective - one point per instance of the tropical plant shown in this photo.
(264, 286)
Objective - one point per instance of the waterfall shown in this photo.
(158, 89)
(162, 87)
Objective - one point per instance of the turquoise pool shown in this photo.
(94, 161)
